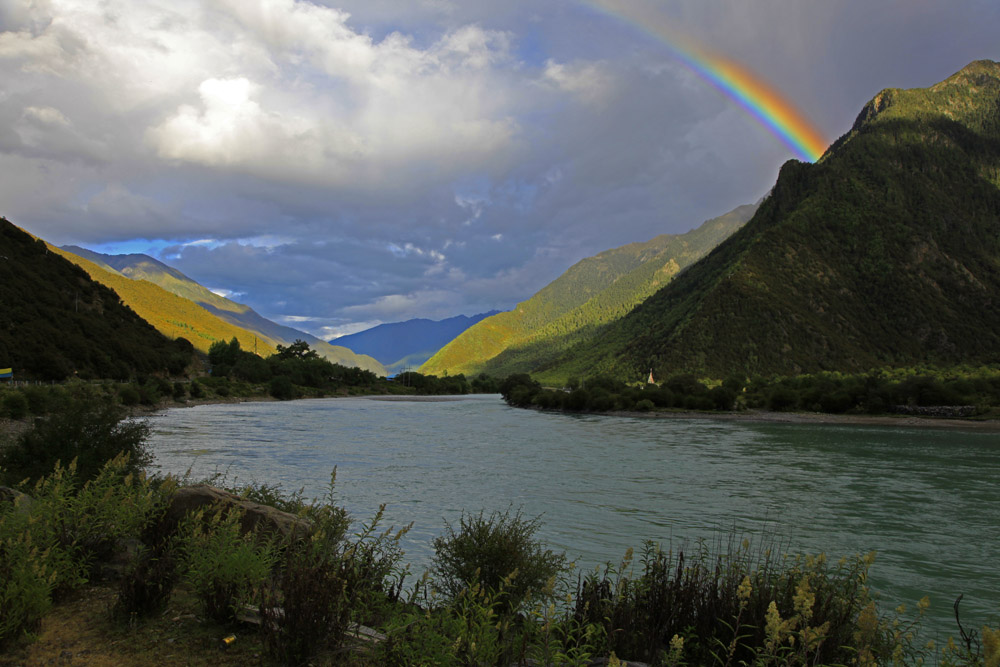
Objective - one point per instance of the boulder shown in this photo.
(261, 519)
(20, 500)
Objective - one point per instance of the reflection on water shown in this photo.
(927, 501)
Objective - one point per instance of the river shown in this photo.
(926, 500)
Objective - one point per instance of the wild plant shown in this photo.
(470, 629)
(328, 582)
(489, 550)
(26, 580)
(741, 606)
(225, 567)
(80, 527)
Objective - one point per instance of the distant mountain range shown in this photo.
(885, 253)
(55, 322)
(157, 291)
(592, 293)
(401, 345)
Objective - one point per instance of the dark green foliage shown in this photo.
(129, 395)
(973, 391)
(432, 384)
(225, 567)
(500, 553)
(718, 603)
(519, 390)
(281, 388)
(885, 253)
(145, 587)
(15, 405)
(57, 323)
(195, 389)
(297, 350)
(92, 431)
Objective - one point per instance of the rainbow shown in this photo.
(758, 98)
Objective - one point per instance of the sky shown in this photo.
(337, 164)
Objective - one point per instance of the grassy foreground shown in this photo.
(93, 570)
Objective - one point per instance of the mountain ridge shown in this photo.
(142, 267)
(410, 343)
(591, 293)
(884, 253)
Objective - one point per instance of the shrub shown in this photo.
(195, 389)
(145, 587)
(129, 395)
(92, 431)
(282, 388)
(180, 393)
(225, 568)
(645, 405)
(25, 580)
(485, 551)
(15, 405)
(327, 582)
(741, 606)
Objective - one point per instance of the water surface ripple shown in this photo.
(926, 500)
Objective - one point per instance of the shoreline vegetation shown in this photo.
(960, 397)
(98, 566)
(103, 564)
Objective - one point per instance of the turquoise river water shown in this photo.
(926, 500)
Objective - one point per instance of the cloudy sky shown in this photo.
(340, 163)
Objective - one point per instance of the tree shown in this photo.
(297, 350)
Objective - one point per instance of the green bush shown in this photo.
(225, 567)
(743, 605)
(26, 583)
(195, 389)
(129, 395)
(645, 405)
(281, 388)
(145, 587)
(15, 405)
(486, 551)
(92, 431)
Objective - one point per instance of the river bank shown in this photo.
(901, 421)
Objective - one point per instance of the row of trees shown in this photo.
(836, 393)
(297, 366)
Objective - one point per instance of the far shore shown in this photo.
(11, 429)
(766, 416)
(903, 421)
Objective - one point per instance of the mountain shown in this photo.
(885, 253)
(139, 267)
(55, 322)
(171, 315)
(408, 344)
(593, 292)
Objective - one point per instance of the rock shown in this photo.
(261, 519)
(20, 500)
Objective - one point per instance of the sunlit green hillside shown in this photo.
(592, 293)
(173, 316)
(145, 268)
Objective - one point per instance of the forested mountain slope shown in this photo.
(56, 323)
(593, 292)
(884, 253)
(141, 268)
